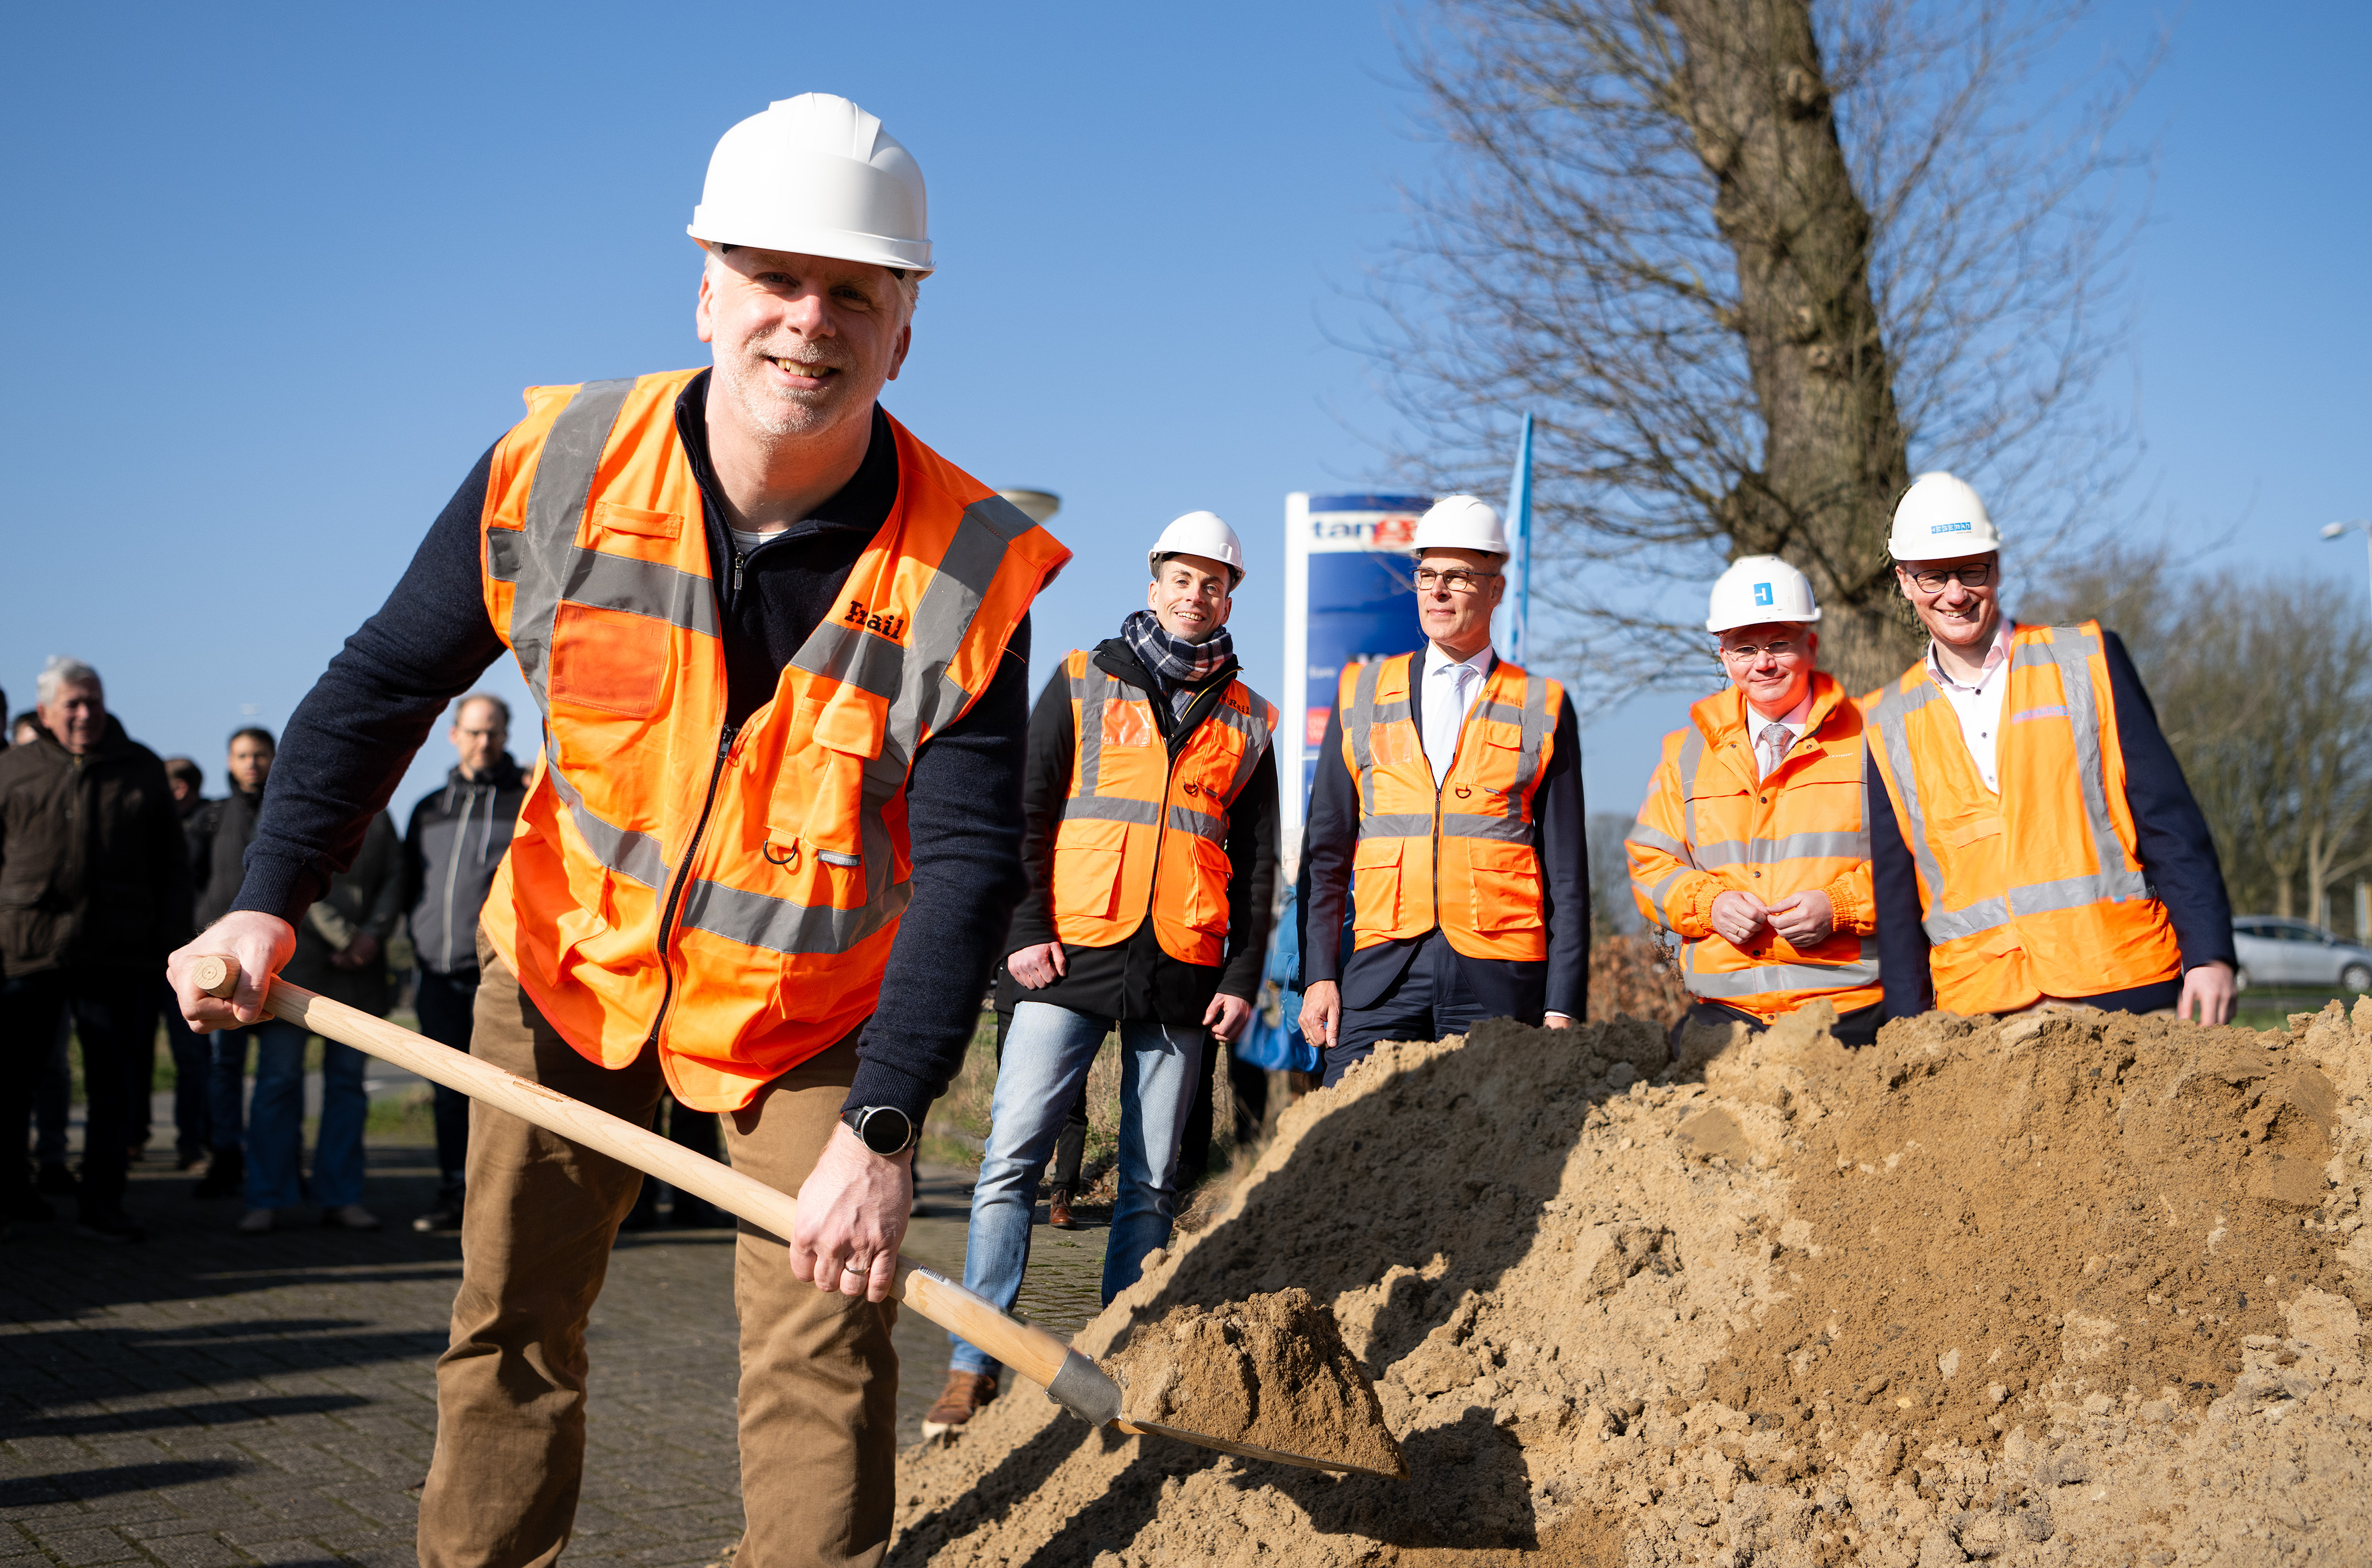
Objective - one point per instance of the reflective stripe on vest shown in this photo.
(1108, 881)
(2071, 649)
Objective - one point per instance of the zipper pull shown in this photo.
(738, 559)
(724, 741)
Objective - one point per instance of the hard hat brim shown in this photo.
(1715, 623)
(840, 245)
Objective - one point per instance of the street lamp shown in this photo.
(1036, 505)
(2334, 530)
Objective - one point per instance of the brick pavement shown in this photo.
(208, 1400)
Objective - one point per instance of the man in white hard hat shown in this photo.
(2032, 840)
(1447, 812)
(779, 650)
(1149, 837)
(1749, 844)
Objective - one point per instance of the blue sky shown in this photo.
(277, 275)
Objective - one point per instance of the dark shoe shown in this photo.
(110, 1224)
(225, 1176)
(27, 1207)
(55, 1181)
(444, 1215)
(962, 1399)
(697, 1214)
(350, 1216)
(188, 1158)
(1058, 1211)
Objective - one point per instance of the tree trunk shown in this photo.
(1752, 90)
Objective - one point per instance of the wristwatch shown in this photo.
(885, 1129)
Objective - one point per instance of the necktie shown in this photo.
(1774, 748)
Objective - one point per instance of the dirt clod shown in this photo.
(1271, 1371)
(2070, 1289)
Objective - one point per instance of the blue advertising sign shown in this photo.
(1347, 599)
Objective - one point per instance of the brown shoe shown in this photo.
(1058, 1211)
(966, 1392)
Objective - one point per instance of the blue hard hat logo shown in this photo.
(1762, 593)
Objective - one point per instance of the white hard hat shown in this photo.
(1201, 533)
(818, 176)
(1460, 522)
(1940, 518)
(1758, 588)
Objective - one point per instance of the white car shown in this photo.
(2277, 951)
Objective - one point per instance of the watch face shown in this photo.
(886, 1130)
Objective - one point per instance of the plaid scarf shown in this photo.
(1182, 668)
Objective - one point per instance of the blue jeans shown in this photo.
(276, 1131)
(1047, 1053)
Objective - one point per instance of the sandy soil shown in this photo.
(2074, 1289)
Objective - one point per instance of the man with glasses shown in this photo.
(1750, 845)
(2032, 840)
(1448, 811)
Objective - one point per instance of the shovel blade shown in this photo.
(1253, 1450)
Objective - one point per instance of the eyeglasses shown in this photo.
(1747, 653)
(1427, 579)
(1933, 581)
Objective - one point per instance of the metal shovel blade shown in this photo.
(1253, 1450)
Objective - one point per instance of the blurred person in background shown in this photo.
(457, 836)
(341, 953)
(191, 1052)
(219, 836)
(94, 891)
(25, 729)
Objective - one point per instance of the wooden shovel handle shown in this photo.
(1033, 1353)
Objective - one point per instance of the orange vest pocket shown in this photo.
(1506, 879)
(609, 661)
(1206, 896)
(1086, 868)
(1375, 884)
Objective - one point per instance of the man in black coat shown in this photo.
(94, 891)
(1492, 782)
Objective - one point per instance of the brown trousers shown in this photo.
(818, 1394)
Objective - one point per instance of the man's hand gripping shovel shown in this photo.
(1073, 1380)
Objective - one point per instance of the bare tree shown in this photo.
(1747, 260)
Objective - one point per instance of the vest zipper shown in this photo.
(683, 876)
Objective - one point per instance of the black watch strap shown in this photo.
(884, 1129)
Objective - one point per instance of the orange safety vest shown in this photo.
(732, 895)
(1459, 856)
(1710, 825)
(1143, 832)
(2037, 891)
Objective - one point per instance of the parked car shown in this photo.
(2278, 951)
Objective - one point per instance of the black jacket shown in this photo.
(348, 743)
(1519, 989)
(94, 871)
(362, 901)
(218, 837)
(456, 838)
(2171, 835)
(1135, 978)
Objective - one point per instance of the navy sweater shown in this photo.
(350, 741)
(2174, 847)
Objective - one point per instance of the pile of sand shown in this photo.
(2074, 1289)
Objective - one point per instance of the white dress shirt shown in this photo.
(1758, 728)
(1450, 689)
(1979, 706)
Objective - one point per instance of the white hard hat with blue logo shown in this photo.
(1760, 588)
(1940, 517)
